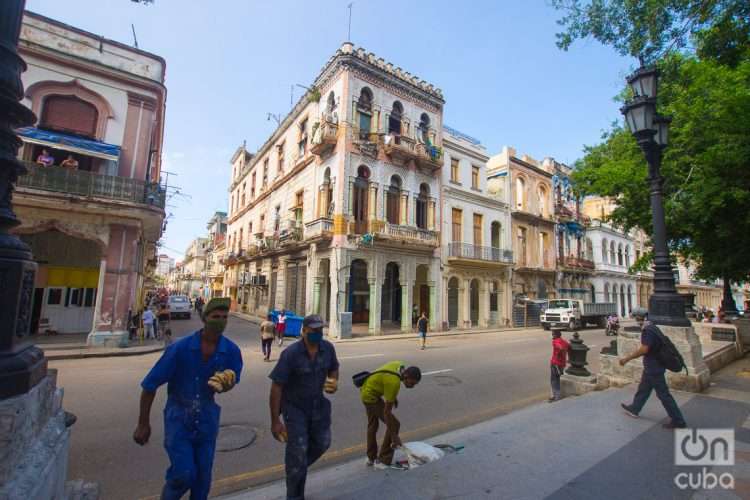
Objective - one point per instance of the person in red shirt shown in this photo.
(559, 359)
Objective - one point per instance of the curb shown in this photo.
(95, 353)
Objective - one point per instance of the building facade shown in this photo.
(532, 222)
(213, 276)
(93, 155)
(613, 252)
(476, 254)
(194, 268)
(575, 265)
(337, 210)
(164, 264)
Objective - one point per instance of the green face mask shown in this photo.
(216, 325)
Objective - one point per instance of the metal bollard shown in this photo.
(578, 351)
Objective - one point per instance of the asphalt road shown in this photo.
(467, 379)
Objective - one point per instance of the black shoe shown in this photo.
(628, 411)
(674, 425)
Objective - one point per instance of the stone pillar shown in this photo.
(317, 283)
(484, 305)
(372, 205)
(404, 209)
(464, 313)
(374, 319)
(433, 305)
(407, 294)
(431, 215)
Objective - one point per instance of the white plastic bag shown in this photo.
(419, 453)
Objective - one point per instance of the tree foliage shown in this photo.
(706, 166)
(652, 29)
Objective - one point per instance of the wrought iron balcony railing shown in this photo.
(476, 252)
(575, 263)
(91, 185)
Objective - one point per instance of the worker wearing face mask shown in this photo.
(304, 371)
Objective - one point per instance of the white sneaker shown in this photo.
(369, 462)
(380, 466)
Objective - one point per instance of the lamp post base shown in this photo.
(667, 309)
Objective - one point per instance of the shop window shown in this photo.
(54, 297)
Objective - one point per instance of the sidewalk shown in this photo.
(578, 448)
(73, 346)
(396, 336)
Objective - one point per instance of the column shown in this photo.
(372, 205)
(317, 282)
(337, 295)
(433, 305)
(465, 293)
(484, 305)
(99, 294)
(374, 320)
(404, 209)
(431, 215)
(407, 294)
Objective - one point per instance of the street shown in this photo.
(466, 379)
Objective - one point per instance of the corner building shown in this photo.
(337, 212)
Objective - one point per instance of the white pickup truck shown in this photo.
(574, 314)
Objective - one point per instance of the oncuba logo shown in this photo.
(704, 448)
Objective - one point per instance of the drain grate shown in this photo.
(234, 437)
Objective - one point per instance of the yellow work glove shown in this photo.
(331, 385)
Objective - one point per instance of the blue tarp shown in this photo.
(70, 142)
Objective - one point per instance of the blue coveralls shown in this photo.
(191, 417)
(306, 412)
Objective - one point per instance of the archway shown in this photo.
(359, 292)
(474, 302)
(630, 299)
(324, 275)
(453, 302)
(494, 303)
(390, 305)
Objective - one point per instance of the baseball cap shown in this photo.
(313, 321)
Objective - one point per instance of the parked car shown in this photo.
(179, 306)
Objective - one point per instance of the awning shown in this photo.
(72, 143)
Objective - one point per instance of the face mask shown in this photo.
(314, 337)
(216, 325)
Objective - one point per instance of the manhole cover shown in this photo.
(235, 437)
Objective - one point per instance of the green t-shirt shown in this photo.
(382, 385)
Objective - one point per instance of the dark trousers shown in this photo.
(376, 414)
(308, 440)
(555, 373)
(266, 345)
(658, 383)
(191, 459)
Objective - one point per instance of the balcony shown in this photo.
(90, 185)
(429, 156)
(290, 237)
(324, 138)
(575, 263)
(406, 234)
(319, 228)
(400, 148)
(466, 251)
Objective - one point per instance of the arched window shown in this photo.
(69, 114)
(392, 205)
(360, 199)
(421, 209)
(364, 107)
(619, 255)
(612, 255)
(496, 230)
(520, 194)
(606, 292)
(325, 196)
(627, 255)
(424, 128)
(394, 120)
(589, 250)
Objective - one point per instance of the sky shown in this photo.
(230, 62)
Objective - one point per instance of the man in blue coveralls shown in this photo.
(194, 369)
(305, 369)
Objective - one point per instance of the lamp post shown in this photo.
(22, 365)
(651, 131)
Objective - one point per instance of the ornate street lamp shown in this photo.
(651, 131)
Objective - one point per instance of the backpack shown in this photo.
(668, 356)
(358, 379)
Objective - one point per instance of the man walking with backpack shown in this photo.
(653, 342)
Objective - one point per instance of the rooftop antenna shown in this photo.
(349, 35)
(275, 117)
(135, 39)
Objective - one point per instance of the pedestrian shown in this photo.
(266, 337)
(45, 159)
(305, 369)
(167, 337)
(379, 394)
(281, 327)
(148, 323)
(653, 373)
(163, 316)
(557, 363)
(422, 324)
(195, 369)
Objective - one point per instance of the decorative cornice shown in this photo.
(470, 197)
